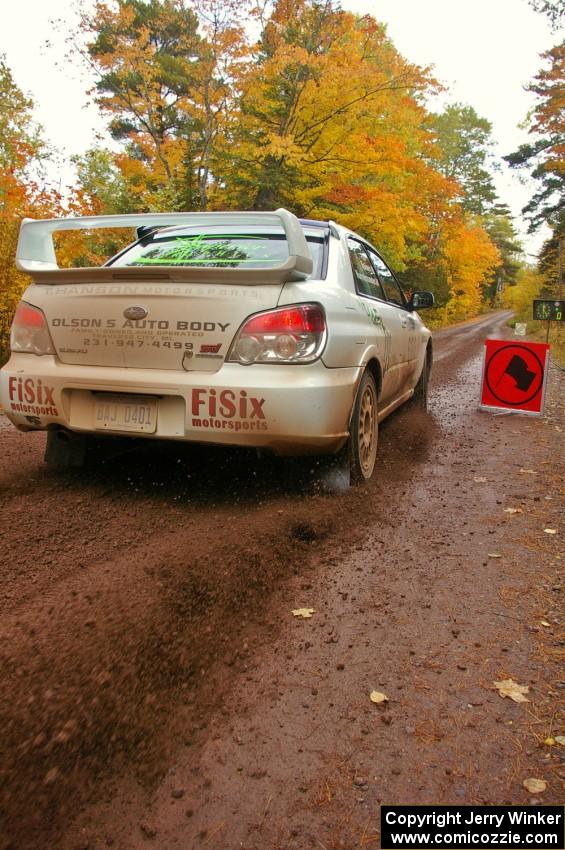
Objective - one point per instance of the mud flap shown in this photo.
(63, 448)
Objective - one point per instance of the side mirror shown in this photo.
(420, 300)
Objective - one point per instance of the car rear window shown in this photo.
(216, 249)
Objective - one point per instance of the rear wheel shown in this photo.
(355, 462)
(364, 431)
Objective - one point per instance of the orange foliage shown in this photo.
(469, 257)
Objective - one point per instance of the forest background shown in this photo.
(220, 104)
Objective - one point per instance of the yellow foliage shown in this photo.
(469, 257)
(520, 296)
(12, 282)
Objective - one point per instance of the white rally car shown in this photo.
(244, 329)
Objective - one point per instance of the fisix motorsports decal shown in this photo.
(229, 410)
(31, 397)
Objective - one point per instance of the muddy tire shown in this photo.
(364, 431)
(420, 397)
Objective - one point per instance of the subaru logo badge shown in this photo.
(135, 312)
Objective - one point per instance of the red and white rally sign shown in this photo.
(514, 375)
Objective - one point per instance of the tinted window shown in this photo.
(391, 288)
(366, 280)
(215, 249)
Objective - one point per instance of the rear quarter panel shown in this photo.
(354, 337)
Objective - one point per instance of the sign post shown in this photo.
(514, 376)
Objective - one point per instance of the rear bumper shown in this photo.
(285, 409)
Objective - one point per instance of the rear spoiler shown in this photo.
(35, 253)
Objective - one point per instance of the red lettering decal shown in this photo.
(257, 405)
(29, 391)
(227, 406)
(196, 401)
(12, 387)
(212, 403)
(48, 395)
(243, 404)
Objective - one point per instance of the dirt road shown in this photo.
(158, 692)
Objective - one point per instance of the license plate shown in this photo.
(126, 413)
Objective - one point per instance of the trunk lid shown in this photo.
(148, 324)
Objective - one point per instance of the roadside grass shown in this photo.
(438, 317)
(537, 332)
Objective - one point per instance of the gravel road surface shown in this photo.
(157, 690)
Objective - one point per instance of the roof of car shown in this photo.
(146, 230)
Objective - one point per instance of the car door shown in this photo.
(383, 321)
(404, 345)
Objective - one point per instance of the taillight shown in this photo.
(30, 334)
(287, 335)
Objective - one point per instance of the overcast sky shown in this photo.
(484, 51)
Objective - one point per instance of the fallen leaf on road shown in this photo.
(549, 742)
(560, 739)
(545, 623)
(511, 689)
(534, 786)
(304, 613)
(529, 471)
(513, 511)
(378, 697)
(480, 479)
(550, 530)
(494, 555)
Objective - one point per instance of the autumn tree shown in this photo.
(464, 142)
(544, 157)
(466, 248)
(223, 58)
(164, 76)
(142, 54)
(554, 9)
(321, 115)
(331, 126)
(500, 228)
(551, 264)
(21, 189)
(20, 144)
(529, 285)
(101, 187)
